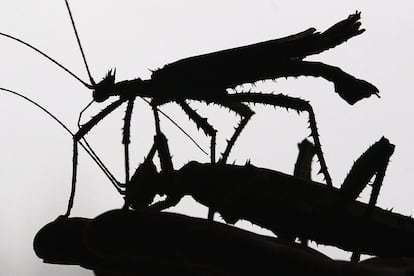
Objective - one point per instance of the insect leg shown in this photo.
(161, 143)
(287, 102)
(146, 182)
(204, 125)
(303, 167)
(77, 137)
(347, 86)
(126, 135)
(373, 161)
(246, 113)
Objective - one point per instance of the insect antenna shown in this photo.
(89, 86)
(89, 150)
(79, 44)
(94, 83)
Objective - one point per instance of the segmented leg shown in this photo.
(287, 102)
(204, 125)
(162, 144)
(303, 167)
(74, 175)
(373, 161)
(246, 113)
(126, 134)
(76, 138)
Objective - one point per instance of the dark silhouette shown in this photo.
(207, 77)
(303, 165)
(139, 239)
(125, 242)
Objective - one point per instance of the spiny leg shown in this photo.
(147, 167)
(246, 113)
(204, 125)
(208, 130)
(76, 138)
(373, 162)
(303, 167)
(161, 143)
(287, 102)
(126, 134)
(92, 152)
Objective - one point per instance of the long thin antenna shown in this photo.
(79, 43)
(48, 57)
(87, 148)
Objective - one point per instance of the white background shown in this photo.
(135, 36)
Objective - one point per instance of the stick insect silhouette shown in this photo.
(207, 78)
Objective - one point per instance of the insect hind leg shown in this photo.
(77, 137)
(246, 113)
(287, 102)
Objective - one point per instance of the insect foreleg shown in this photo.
(97, 118)
(204, 125)
(287, 102)
(76, 139)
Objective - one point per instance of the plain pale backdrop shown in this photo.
(139, 36)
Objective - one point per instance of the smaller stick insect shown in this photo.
(287, 205)
(208, 77)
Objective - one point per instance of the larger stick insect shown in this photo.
(208, 77)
